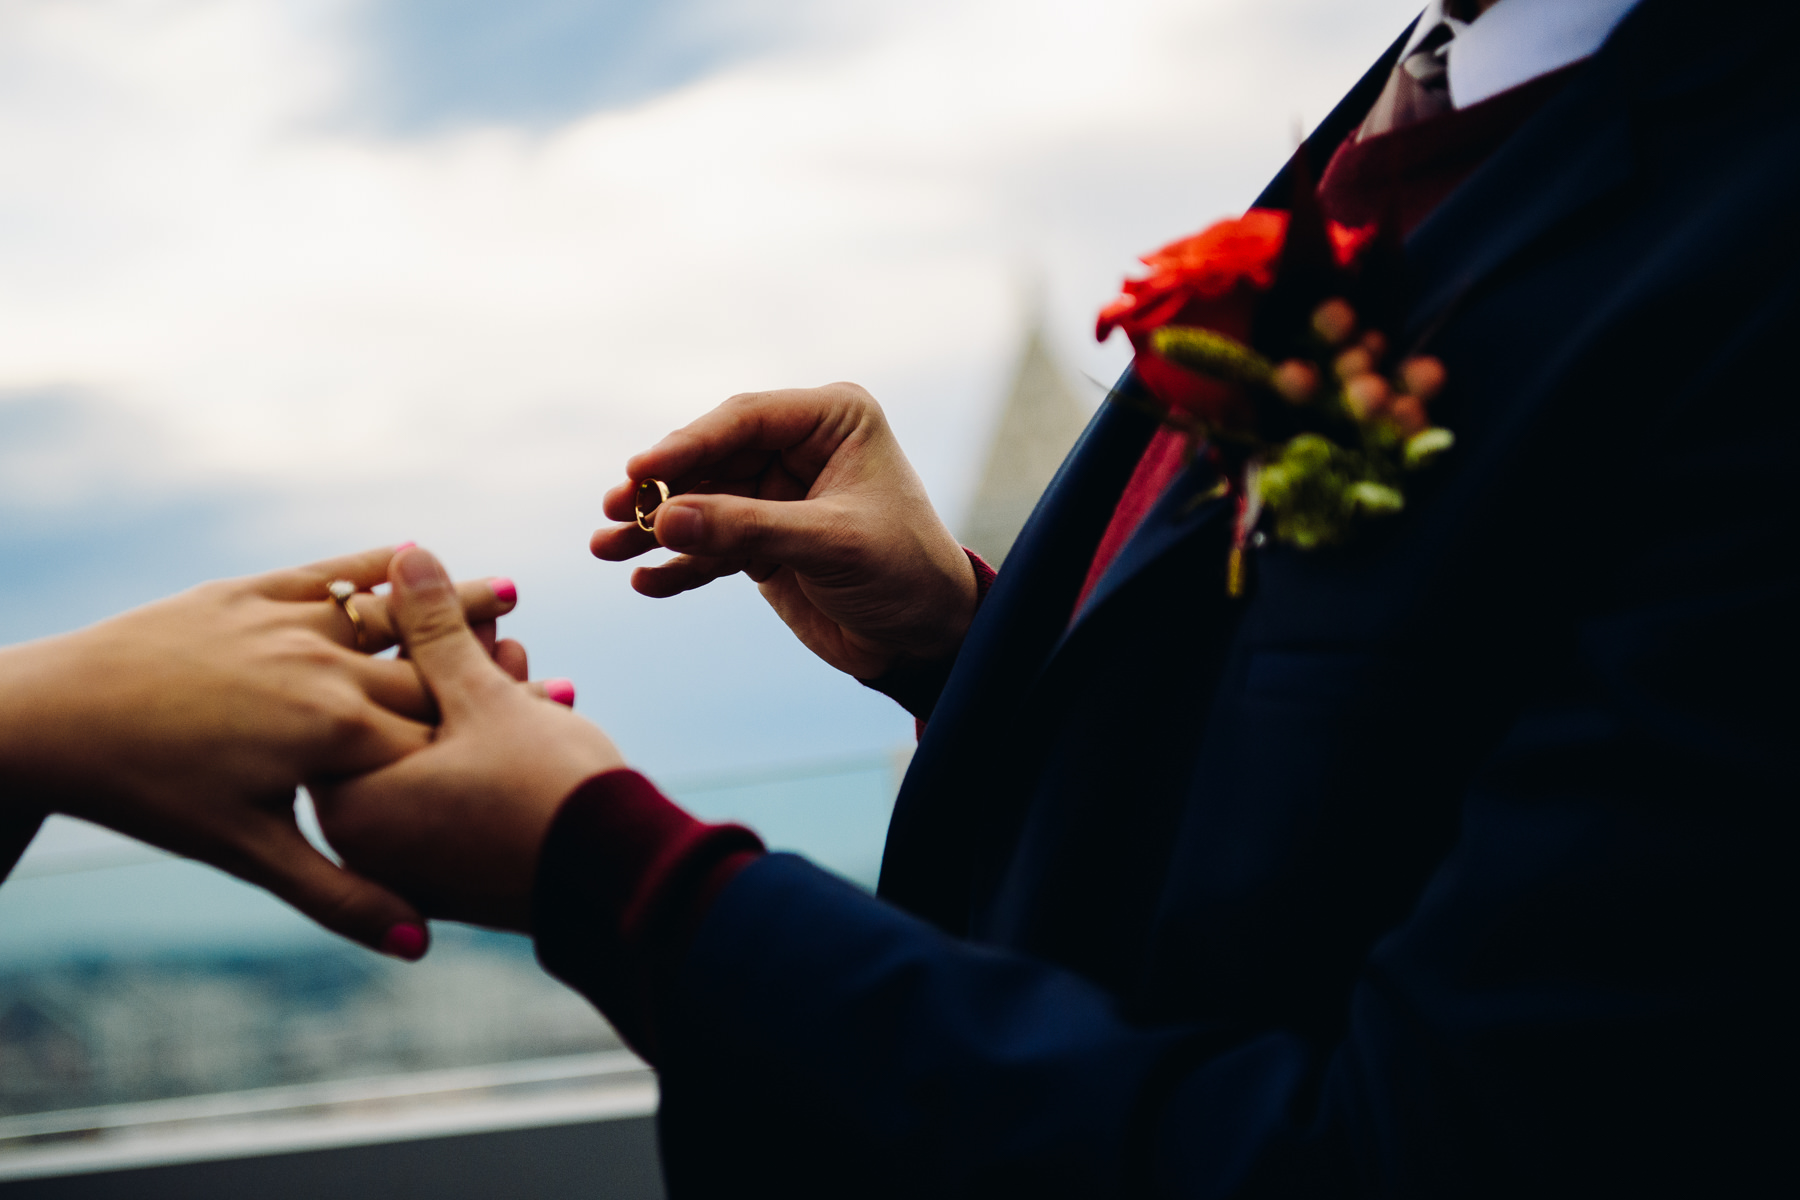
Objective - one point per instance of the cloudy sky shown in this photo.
(280, 278)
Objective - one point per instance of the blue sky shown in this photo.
(436, 63)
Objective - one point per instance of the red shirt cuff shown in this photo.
(623, 881)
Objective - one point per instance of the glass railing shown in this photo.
(156, 1010)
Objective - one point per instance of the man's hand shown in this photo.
(189, 723)
(457, 826)
(808, 493)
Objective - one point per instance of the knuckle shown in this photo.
(338, 903)
(843, 538)
(435, 624)
(848, 390)
(330, 715)
(753, 530)
(745, 406)
(854, 395)
(215, 592)
(345, 720)
(310, 650)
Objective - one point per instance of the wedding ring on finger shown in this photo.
(651, 493)
(343, 594)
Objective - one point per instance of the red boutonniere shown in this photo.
(1263, 338)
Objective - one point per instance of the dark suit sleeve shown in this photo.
(623, 880)
(1578, 1006)
(819, 1036)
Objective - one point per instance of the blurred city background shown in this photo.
(285, 278)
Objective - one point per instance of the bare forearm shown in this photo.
(17, 828)
(23, 674)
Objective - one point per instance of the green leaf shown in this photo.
(1376, 499)
(1212, 354)
(1426, 445)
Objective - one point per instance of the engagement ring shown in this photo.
(343, 593)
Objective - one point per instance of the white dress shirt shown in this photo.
(1517, 40)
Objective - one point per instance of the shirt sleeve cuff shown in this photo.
(916, 686)
(623, 881)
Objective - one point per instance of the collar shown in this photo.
(1516, 41)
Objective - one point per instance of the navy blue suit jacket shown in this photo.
(1456, 861)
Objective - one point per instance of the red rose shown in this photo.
(1211, 280)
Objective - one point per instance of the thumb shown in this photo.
(342, 901)
(807, 535)
(428, 620)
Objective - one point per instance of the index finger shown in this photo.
(365, 569)
(628, 539)
(810, 421)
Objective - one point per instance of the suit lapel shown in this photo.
(1173, 521)
(1186, 509)
(1569, 156)
(926, 866)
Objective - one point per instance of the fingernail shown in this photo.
(504, 591)
(406, 940)
(404, 546)
(678, 527)
(419, 570)
(561, 690)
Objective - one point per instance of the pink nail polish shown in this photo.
(404, 546)
(560, 690)
(504, 590)
(407, 941)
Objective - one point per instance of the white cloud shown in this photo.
(304, 337)
(186, 230)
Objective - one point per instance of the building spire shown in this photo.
(1038, 425)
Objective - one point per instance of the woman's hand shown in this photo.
(458, 826)
(188, 724)
(808, 493)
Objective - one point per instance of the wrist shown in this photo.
(35, 716)
(544, 785)
(13, 668)
(967, 587)
(915, 681)
(972, 578)
(963, 583)
(18, 826)
(21, 807)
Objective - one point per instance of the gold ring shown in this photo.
(655, 491)
(343, 593)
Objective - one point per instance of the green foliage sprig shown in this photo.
(1336, 469)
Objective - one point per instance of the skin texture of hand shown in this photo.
(458, 826)
(808, 493)
(190, 722)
